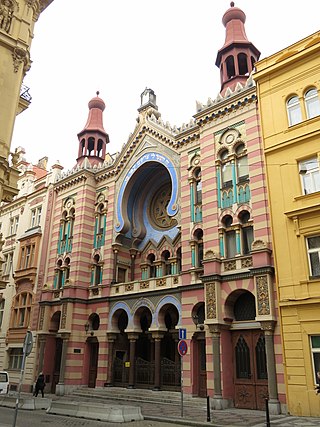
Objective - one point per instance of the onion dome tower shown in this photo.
(93, 138)
(237, 56)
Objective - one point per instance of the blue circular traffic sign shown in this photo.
(182, 347)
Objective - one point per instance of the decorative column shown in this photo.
(133, 338)
(111, 339)
(157, 359)
(217, 400)
(60, 388)
(115, 249)
(274, 404)
(133, 254)
(42, 344)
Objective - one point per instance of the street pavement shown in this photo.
(160, 414)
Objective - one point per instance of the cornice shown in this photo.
(214, 111)
(70, 181)
(238, 276)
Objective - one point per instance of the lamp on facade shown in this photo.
(86, 327)
(196, 320)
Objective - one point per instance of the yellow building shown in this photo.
(17, 19)
(288, 85)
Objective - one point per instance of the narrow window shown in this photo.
(310, 175)
(294, 111)
(313, 245)
(312, 102)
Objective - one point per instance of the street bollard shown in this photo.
(208, 409)
(267, 413)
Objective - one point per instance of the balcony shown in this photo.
(24, 99)
(25, 274)
(147, 285)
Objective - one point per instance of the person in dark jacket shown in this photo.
(40, 384)
(317, 387)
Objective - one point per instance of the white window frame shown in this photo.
(310, 175)
(312, 103)
(312, 251)
(315, 350)
(36, 216)
(294, 110)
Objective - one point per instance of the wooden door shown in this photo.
(202, 368)
(250, 369)
(93, 364)
(57, 363)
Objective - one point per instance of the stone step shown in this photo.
(137, 395)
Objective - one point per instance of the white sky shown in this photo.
(119, 47)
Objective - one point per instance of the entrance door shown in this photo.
(56, 367)
(250, 369)
(202, 368)
(93, 365)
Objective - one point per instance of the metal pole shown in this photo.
(267, 413)
(208, 409)
(181, 358)
(19, 388)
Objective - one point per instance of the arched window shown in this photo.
(22, 310)
(312, 103)
(243, 64)
(242, 163)
(246, 232)
(226, 169)
(96, 271)
(152, 268)
(294, 111)
(179, 260)
(166, 265)
(230, 237)
(230, 67)
(198, 236)
(67, 269)
(59, 279)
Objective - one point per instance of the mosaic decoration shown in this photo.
(63, 321)
(263, 295)
(41, 319)
(211, 301)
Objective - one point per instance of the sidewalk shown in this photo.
(195, 413)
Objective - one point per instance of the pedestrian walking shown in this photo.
(40, 384)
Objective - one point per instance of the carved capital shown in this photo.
(20, 56)
(268, 326)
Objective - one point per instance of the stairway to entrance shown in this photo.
(138, 395)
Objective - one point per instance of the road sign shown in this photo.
(182, 347)
(28, 343)
(182, 334)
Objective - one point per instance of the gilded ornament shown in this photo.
(211, 301)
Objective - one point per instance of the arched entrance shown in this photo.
(93, 349)
(249, 355)
(54, 327)
(199, 352)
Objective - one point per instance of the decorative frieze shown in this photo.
(263, 295)
(41, 318)
(211, 301)
(63, 321)
(144, 285)
(161, 282)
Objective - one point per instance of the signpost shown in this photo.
(182, 350)
(27, 347)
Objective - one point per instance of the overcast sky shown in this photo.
(120, 47)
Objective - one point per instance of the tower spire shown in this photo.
(93, 138)
(238, 55)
